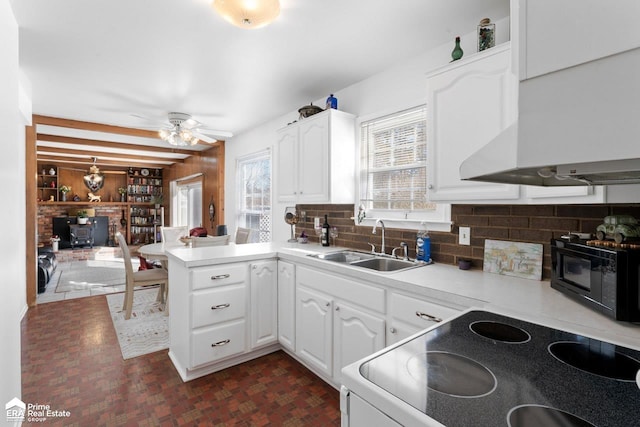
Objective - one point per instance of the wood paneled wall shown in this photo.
(73, 177)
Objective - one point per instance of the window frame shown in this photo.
(436, 220)
(262, 154)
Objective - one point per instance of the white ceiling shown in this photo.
(104, 61)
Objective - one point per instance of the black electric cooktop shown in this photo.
(484, 369)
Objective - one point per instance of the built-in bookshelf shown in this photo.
(144, 188)
(143, 185)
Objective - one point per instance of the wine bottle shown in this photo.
(324, 237)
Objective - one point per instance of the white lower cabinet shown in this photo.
(333, 327)
(314, 331)
(411, 314)
(264, 303)
(287, 305)
(221, 315)
(356, 335)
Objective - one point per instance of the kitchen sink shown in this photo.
(371, 261)
(385, 264)
(344, 256)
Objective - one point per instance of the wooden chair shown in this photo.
(173, 234)
(244, 235)
(199, 242)
(140, 278)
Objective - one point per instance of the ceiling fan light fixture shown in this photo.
(248, 14)
(164, 134)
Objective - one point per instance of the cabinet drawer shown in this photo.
(212, 344)
(225, 274)
(417, 312)
(219, 304)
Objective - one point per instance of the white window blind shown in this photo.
(394, 162)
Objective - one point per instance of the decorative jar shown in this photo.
(486, 34)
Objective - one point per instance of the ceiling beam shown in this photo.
(114, 145)
(132, 163)
(96, 127)
(79, 154)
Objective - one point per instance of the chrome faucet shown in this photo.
(405, 251)
(375, 226)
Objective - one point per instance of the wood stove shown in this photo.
(81, 234)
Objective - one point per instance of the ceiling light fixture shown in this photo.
(249, 14)
(179, 135)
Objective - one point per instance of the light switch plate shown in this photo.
(464, 236)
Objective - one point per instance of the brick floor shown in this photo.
(72, 362)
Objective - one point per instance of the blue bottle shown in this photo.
(423, 246)
(332, 102)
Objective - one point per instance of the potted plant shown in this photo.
(64, 190)
(157, 199)
(123, 194)
(83, 217)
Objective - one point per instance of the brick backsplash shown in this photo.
(522, 223)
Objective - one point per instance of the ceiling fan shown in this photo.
(183, 130)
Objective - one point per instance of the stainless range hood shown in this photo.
(577, 126)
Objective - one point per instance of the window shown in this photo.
(393, 171)
(254, 195)
(186, 202)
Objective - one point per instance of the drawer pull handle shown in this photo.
(426, 316)
(221, 343)
(220, 276)
(220, 306)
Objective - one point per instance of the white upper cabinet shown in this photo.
(316, 159)
(551, 35)
(469, 102)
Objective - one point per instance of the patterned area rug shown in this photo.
(147, 330)
(91, 274)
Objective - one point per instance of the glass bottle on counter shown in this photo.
(324, 237)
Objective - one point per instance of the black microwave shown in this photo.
(604, 278)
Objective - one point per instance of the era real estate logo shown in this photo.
(18, 411)
(15, 410)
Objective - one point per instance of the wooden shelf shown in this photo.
(87, 203)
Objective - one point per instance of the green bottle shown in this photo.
(457, 51)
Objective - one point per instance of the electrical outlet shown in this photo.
(464, 236)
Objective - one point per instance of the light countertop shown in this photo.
(530, 300)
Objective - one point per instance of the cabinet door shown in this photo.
(356, 335)
(314, 335)
(467, 106)
(264, 294)
(287, 163)
(286, 305)
(313, 172)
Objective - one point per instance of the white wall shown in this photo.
(12, 214)
(400, 87)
